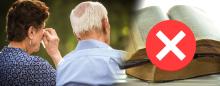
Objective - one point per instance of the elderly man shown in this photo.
(93, 62)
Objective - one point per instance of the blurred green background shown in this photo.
(119, 12)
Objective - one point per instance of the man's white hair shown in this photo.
(87, 15)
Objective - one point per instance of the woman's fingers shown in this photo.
(52, 43)
(51, 34)
(47, 35)
(50, 30)
(45, 40)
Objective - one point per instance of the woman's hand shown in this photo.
(51, 41)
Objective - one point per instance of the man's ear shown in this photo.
(31, 32)
(77, 37)
(105, 25)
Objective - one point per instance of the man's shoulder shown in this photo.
(95, 51)
(93, 54)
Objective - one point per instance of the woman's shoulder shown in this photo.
(36, 58)
(34, 68)
(15, 56)
(39, 61)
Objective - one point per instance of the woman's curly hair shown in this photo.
(23, 14)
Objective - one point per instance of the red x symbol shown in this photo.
(170, 45)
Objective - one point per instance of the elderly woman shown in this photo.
(25, 30)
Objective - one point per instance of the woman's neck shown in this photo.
(21, 45)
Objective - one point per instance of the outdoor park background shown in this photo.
(119, 12)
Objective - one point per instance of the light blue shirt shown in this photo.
(92, 63)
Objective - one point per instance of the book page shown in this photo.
(145, 19)
(197, 20)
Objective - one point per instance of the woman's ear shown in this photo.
(31, 32)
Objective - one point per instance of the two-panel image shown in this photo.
(109, 43)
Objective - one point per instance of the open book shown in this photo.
(144, 20)
(207, 36)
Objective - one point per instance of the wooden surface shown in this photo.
(209, 80)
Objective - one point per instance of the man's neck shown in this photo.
(92, 35)
(98, 38)
(95, 39)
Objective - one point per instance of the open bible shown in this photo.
(206, 59)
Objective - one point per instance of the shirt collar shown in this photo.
(10, 49)
(91, 43)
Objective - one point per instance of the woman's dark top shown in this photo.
(19, 68)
